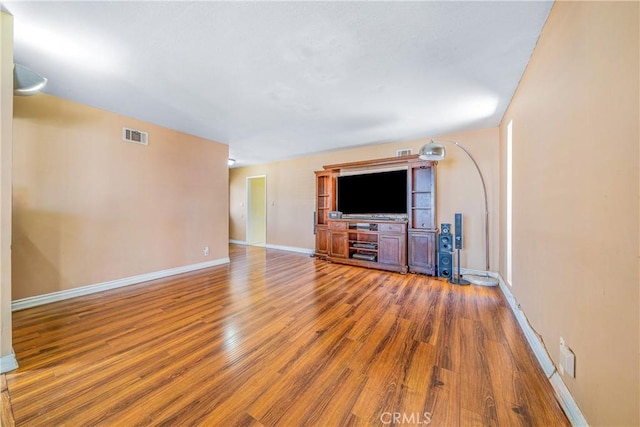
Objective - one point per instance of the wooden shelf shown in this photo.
(421, 237)
(325, 203)
(386, 238)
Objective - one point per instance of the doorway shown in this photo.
(257, 210)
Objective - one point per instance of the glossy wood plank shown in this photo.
(6, 414)
(278, 338)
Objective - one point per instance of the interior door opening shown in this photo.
(257, 210)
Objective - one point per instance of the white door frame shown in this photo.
(246, 216)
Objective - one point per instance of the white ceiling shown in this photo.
(276, 80)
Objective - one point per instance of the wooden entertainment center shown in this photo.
(396, 243)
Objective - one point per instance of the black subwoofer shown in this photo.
(445, 264)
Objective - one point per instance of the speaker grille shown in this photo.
(445, 228)
(445, 264)
(444, 243)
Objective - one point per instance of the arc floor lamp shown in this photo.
(27, 82)
(436, 152)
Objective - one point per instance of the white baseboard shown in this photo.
(35, 301)
(563, 394)
(566, 401)
(306, 251)
(8, 362)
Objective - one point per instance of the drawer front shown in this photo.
(338, 225)
(391, 228)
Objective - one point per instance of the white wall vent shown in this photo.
(403, 152)
(135, 136)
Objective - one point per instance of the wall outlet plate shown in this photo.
(567, 360)
(206, 251)
(570, 363)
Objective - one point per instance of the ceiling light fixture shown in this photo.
(434, 152)
(231, 162)
(27, 82)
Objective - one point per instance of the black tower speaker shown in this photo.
(445, 256)
(458, 231)
(457, 279)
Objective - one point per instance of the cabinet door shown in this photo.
(325, 196)
(322, 240)
(339, 244)
(422, 197)
(422, 252)
(391, 249)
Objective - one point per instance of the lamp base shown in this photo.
(458, 280)
(481, 280)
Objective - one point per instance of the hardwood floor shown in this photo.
(6, 415)
(278, 338)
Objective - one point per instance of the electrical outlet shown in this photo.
(570, 363)
(206, 251)
(567, 360)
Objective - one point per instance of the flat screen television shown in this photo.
(376, 193)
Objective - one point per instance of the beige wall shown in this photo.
(291, 188)
(6, 112)
(90, 208)
(575, 210)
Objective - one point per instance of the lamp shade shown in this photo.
(26, 81)
(432, 151)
